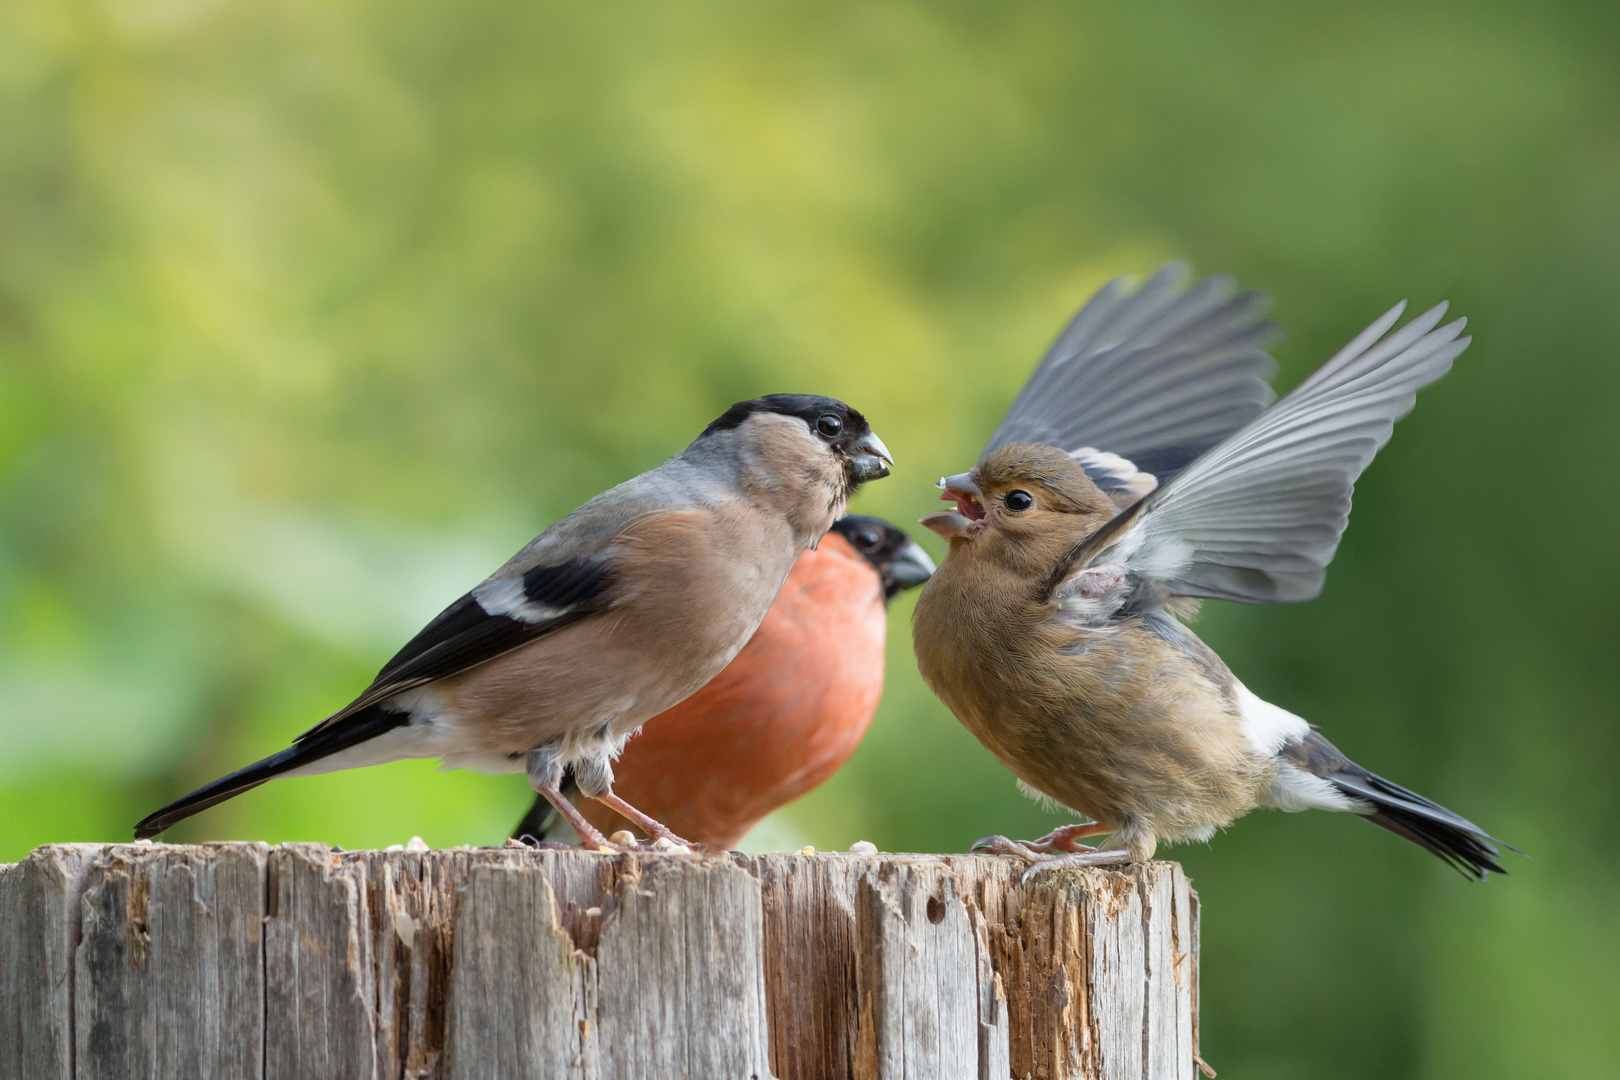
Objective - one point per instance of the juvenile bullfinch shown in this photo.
(785, 714)
(1139, 471)
(610, 616)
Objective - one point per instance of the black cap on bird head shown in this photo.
(899, 561)
(841, 427)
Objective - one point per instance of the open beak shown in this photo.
(961, 522)
(961, 490)
(948, 523)
(868, 459)
(910, 567)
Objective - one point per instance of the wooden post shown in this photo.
(298, 963)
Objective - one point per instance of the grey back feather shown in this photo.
(1259, 517)
(1157, 375)
(699, 477)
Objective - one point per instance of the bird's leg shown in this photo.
(654, 829)
(1063, 838)
(589, 835)
(545, 776)
(594, 778)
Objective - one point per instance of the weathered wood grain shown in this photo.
(679, 974)
(235, 960)
(320, 987)
(810, 955)
(169, 978)
(918, 975)
(514, 983)
(39, 932)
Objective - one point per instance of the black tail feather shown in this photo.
(1463, 845)
(1467, 848)
(311, 747)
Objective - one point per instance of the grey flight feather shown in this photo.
(1258, 518)
(1156, 376)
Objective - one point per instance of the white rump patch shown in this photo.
(1201, 835)
(432, 732)
(1266, 726)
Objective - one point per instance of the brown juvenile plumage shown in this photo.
(1112, 721)
(1140, 471)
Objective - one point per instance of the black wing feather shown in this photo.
(462, 636)
(465, 634)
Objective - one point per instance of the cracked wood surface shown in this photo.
(244, 960)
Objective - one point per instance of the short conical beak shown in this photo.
(868, 459)
(948, 523)
(911, 567)
(962, 490)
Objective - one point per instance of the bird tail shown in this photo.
(1463, 845)
(308, 749)
(542, 822)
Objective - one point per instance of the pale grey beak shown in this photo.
(961, 490)
(868, 459)
(948, 523)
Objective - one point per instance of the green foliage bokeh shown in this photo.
(311, 313)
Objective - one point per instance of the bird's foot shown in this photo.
(1064, 837)
(534, 843)
(1036, 859)
(659, 836)
(590, 837)
(1002, 845)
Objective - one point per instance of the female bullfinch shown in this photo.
(785, 714)
(612, 615)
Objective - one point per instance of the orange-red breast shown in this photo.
(613, 614)
(786, 713)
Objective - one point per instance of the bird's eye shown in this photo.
(1019, 501)
(866, 540)
(830, 426)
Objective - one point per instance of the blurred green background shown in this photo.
(311, 313)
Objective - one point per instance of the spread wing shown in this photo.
(1258, 518)
(1143, 382)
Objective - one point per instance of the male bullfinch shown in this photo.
(610, 616)
(785, 714)
(1137, 472)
